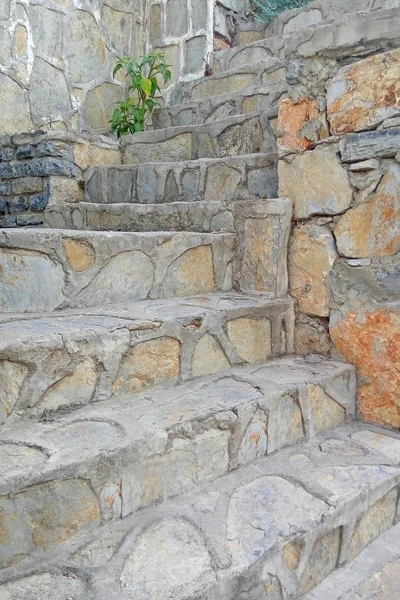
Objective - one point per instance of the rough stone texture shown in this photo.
(312, 255)
(157, 264)
(362, 95)
(101, 357)
(370, 144)
(305, 509)
(295, 121)
(368, 337)
(372, 229)
(316, 182)
(251, 339)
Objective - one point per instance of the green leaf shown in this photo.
(145, 84)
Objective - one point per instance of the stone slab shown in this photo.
(49, 269)
(55, 363)
(271, 527)
(383, 143)
(208, 180)
(242, 134)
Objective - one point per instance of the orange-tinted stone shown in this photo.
(370, 339)
(292, 117)
(365, 93)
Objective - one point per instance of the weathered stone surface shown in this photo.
(80, 255)
(251, 339)
(379, 517)
(222, 183)
(370, 144)
(85, 48)
(365, 93)
(149, 364)
(63, 190)
(100, 103)
(327, 413)
(46, 27)
(118, 27)
(383, 585)
(31, 520)
(36, 281)
(293, 121)
(155, 22)
(208, 357)
(312, 255)
(385, 444)
(183, 563)
(14, 115)
(195, 49)
(176, 19)
(235, 82)
(190, 274)
(46, 585)
(12, 377)
(261, 511)
(311, 335)
(316, 182)
(49, 95)
(322, 561)
(369, 339)
(373, 228)
(75, 389)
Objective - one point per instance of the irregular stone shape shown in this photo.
(370, 144)
(322, 560)
(170, 560)
(5, 47)
(259, 265)
(118, 27)
(369, 338)
(29, 281)
(47, 26)
(365, 93)
(175, 149)
(251, 339)
(14, 114)
(292, 119)
(86, 50)
(303, 20)
(264, 510)
(378, 518)
(222, 183)
(74, 389)
(312, 254)
(64, 190)
(49, 95)
(176, 19)
(12, 377)
(100, 103)
(195, 50)
(285, 425)
(190, 274)
(134, 281)
(254, 442)
(149, 364)
(80, 255)
(244, 138)
(45, 515)
(45, 585)
(208, 357)
(236, 82)
(155, 22)
(373, 229)
(326, 412)
(21, 41)
(14, 457)
(316, 182)
(292, 553)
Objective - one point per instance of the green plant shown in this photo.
(145, 75)
(267, 10)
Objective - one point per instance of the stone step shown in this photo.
(50, 269)
(107, 460)
(373, 575)
(241, 134)
(234, 78)
(208, 179)
(263, 97)
(272, 529)
(60, 362)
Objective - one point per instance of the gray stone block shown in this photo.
(383, 143)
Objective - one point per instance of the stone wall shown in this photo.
(43, 168)
(56, 61)
(339, 143)
(183, 31)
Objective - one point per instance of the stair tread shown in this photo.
(136, 426)
(271, 525)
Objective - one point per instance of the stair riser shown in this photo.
(44, 270)
(264, 98)
(239, 57)
(63, 364)
(176, 448)
(207, 180)
(247, 134)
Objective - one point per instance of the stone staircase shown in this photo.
(159, 440)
